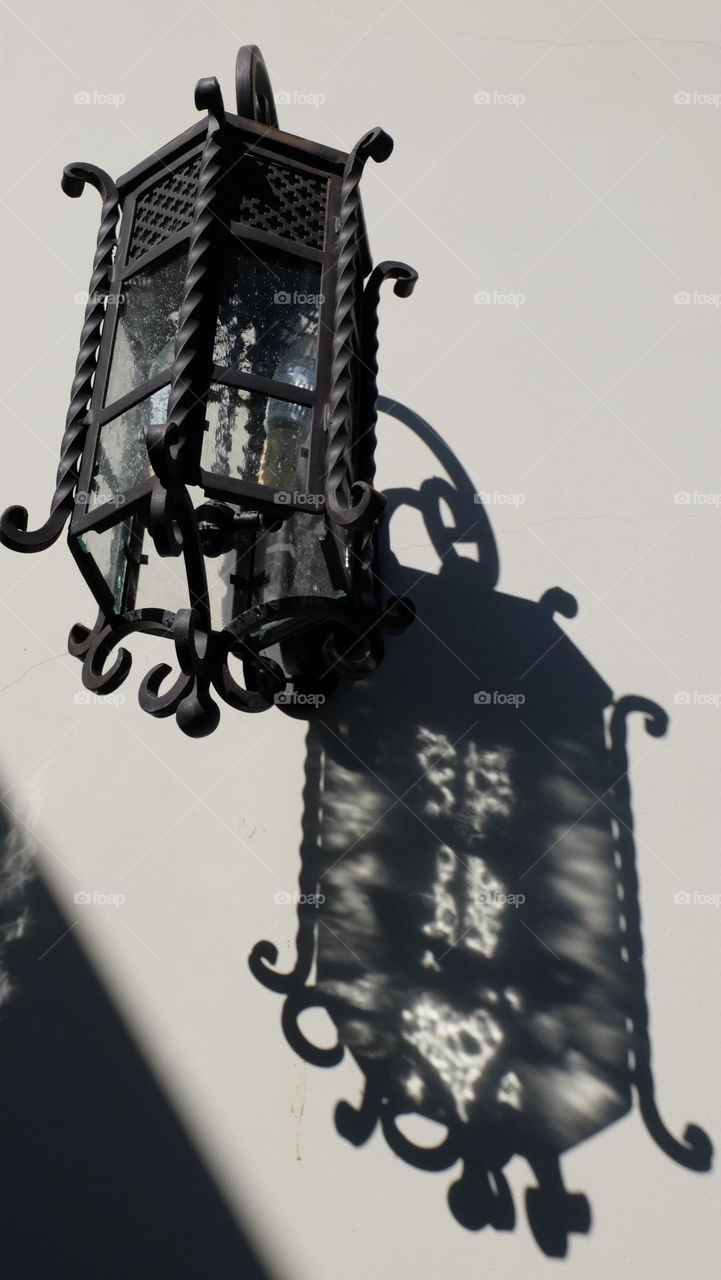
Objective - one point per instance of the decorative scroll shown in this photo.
(189, 697)
(14, 532)
(695, 1151)
(369, 503)
(93, 648)
(204, 656)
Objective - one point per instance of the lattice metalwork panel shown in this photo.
(282, 200)
(164, 209)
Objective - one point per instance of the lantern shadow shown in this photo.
(468, 899)
(100, 1178)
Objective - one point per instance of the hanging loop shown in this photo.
(253, 92)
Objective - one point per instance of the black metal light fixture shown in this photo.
(217, 464)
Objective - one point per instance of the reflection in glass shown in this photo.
(233, 443)
(253, 438)
(260, 439)
(266, 306)
(287, 425)
(121, 459)
(147, 324)
(294, 561)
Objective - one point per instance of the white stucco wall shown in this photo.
(597, 198)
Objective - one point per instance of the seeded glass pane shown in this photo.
(268, 318)
(108, 550)
(292, 560)
(121, 459)
(147, 325)
(257, 438)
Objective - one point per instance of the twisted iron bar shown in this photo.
(405, 278)
(695, 1152)
(172, 523)
(369, 503)
(192, 362)
(14, 531)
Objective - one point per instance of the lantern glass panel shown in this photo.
(293, 561)
(257, 438)
(147, 324)
(109, 550)
(161, 580)
(267, 566)
(234, 579)
(121, 458)
(268, 317)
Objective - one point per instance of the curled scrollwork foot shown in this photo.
(297, 1002)
(189, 697)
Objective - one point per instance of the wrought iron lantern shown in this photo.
(217, 464)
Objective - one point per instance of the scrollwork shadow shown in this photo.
(468, 897)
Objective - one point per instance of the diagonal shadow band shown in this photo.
(100, 1178)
